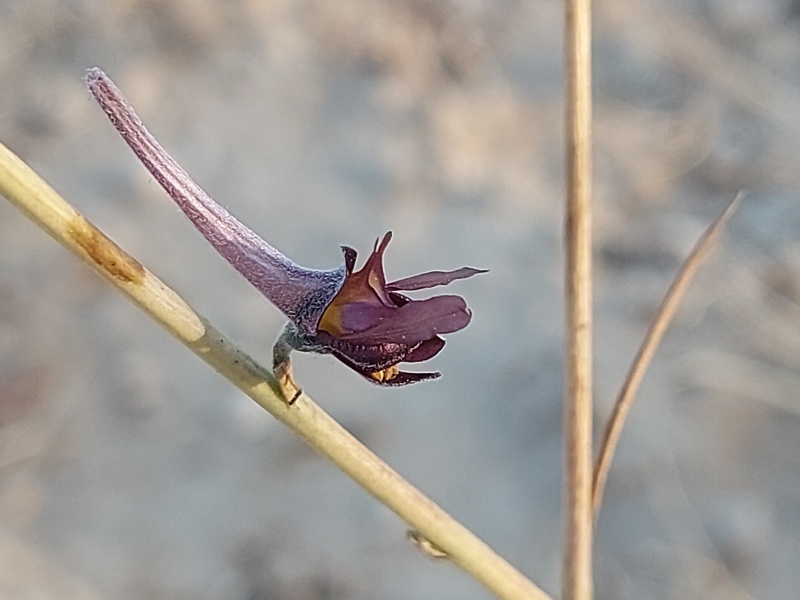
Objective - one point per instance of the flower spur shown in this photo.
(357, 316)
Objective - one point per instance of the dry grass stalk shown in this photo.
(577, 575)
(650, 344)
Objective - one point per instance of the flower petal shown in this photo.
(368, 357)
(433, 278)
(356, 317)
(426, 350)
(350, 256)
(416, 321)
(391, 378)
(370, 281)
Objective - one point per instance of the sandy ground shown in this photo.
(130, 470)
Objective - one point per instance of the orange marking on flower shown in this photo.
(331, 321)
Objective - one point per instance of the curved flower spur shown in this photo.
(357, 316)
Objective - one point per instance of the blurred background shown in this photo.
(130, 470)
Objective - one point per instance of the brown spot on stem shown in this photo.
(104, 252)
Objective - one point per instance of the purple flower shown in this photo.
(355, 315)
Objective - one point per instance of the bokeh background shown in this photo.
(130, 470)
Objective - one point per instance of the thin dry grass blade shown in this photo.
(650, 344)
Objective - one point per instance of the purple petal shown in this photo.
(356, 317)
(350, 256)
(433, 278)
(417, 321)
(425, 351)
(369, 358)
(401, 378)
